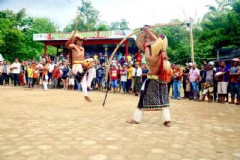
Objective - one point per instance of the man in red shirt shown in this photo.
(114, 72)
(139, 57)
(55, 75)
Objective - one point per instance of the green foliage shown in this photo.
(178, 42)
(221, 26)
(17, 32)
(119, 25)
(102, 27)
(87, 20)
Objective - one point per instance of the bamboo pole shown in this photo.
(191, 39)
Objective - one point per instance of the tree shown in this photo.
(102, 27)
(88, 18)
(178, 42)
(17, 32)
(37, 25)
(119, 25)
(221, 29)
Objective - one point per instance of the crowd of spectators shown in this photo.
(214, 81)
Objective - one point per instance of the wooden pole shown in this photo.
(191, 39)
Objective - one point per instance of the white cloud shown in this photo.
(136, 12)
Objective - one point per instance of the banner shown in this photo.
(88, 35)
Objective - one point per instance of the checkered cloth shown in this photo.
(154, 96)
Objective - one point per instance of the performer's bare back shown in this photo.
(154, 62)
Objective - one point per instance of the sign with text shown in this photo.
(88, 35)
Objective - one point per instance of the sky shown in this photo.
(136, 12)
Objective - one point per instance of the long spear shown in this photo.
(77, 21)
(123, 40)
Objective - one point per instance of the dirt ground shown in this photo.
(61, 125)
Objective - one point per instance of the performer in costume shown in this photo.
(79, 66)
(154, 93)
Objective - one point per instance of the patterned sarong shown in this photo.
(154, 96)
(208, 88)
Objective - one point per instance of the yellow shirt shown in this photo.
(129, 58)
(95, 57)
(30, 72)
(130, 72)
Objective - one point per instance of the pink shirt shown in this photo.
(193, 74)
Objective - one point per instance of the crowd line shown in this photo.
(214, 81)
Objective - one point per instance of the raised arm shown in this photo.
(147, 29)
(69, 44)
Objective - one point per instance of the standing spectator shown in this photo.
(5, 73)
(188, 89)
(185, 77)
(203, 71)
(65, 71)
(45, 76)
(119, 57)
(222, 77)
(208, 82)
(71, 79)
(16, 71)
(129, 58)
(234, 78)
(194, 75)
(129, 78)
(51, 67)
(103, 76)
(168, 78)
(139, 56)
(25, 66)
(144, 72)
(137, 75)
(39, 67)
(123, 78)
(55, 75)
(122, 60)
(114, 78)
(22, 74)
(119, 78)
(11, 74)
(35, 75)
(99, 75)
(177, 77)
(30, 70)
(101, 58)
(95, 57)
(170, 83)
